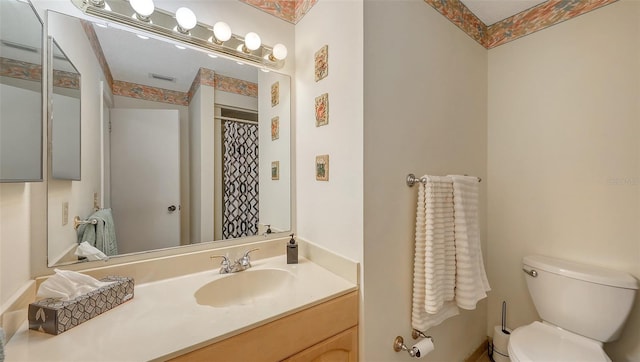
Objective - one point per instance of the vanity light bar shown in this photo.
(163, 23)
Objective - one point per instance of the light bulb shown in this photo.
(144, 8)
(186, 19)
(279, 51)
(252, 41)
(221, 31)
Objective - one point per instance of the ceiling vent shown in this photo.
(165, 78)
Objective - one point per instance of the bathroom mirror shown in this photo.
(65, 116)
(177, 146)
(20, 92)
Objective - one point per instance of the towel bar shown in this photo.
(77, 222)
(412, 179)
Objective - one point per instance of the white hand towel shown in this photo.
(471, 278)
(434, 260)
(67, 285)
(91, 253)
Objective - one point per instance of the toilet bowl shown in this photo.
(543, 342)
(575, 323)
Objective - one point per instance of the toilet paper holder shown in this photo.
(398, 342)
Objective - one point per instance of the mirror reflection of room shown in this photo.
(21, 88)
(176, 147)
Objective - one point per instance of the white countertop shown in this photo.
(163, 319)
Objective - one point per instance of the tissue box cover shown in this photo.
(54, 316)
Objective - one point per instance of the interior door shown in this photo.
(145, 178)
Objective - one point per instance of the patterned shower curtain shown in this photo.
(240, 179)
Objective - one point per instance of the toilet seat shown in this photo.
(542, 342)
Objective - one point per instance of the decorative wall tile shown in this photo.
(322, 110)
(275, 170)
(322, 168)
(275, 94)
(275, 128)
(321, 67)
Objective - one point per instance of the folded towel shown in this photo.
(102, 235)
(67, 285)
(89, 252)
(471, 278)
(434, 259)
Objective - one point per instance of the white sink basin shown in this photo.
(244, 287)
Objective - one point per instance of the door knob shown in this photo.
(171, 208)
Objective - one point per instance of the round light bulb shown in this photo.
(252, 41)
(143, 8)
(222, 31)
(279, 51)
(186, 19)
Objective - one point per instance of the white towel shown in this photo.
(434, 261)
(471, 278)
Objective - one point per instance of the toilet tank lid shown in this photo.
(580, 271)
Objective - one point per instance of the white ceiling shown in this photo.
(132, 59)
(492, 11)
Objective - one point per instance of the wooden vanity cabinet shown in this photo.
(322, 333)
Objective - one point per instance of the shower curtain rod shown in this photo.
(236, 120)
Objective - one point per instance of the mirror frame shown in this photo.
(39, 214)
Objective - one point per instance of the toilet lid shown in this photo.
(542, 342)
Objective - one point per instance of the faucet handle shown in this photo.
(245, 261)
(225, 266)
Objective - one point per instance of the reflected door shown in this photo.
(145, 178)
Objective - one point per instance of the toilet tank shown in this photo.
(584, 299)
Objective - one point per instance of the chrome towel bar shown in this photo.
(412, 179)
(77, 222)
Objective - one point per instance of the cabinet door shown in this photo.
(342, 347)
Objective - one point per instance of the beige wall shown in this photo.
(330, 213)
(425, 113)
(564, 155)
(275, 195)
(14, 238)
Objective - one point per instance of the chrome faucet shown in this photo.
(239, 265)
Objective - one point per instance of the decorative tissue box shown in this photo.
(54, 316)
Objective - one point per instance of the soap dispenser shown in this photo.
(292, 251)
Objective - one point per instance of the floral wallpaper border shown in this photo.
(549, 13)
(97, 50)
(18, 69)
(288, 10)
(539, 17)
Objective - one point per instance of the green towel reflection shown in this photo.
(101, 235)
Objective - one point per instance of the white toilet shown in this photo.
(581, 307)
